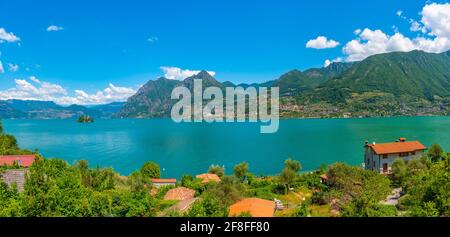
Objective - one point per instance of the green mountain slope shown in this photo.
(153, 99)
(386, 84)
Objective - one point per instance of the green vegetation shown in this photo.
(217, 169)
(55, 188)
(85, 119)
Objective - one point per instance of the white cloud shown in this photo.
(399, 13)
(357, 31)
(7, 36)
(372, 42)
(111, 94)
(328, 62)
(152, 39)
(54, 28)
(13, 67)
(34, 79)
(2, 70)
(26, 91)
(321, 42)
(435, 20)
(176, 73)
(41, 90)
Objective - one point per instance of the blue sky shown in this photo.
(126, 43)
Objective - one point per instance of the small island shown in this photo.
(85, 119)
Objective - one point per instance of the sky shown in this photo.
(96, 52)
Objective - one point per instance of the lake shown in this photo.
(190, 148)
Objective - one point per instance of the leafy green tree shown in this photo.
(356, 189)
(399, 172)
(290, 172)
(217, 169)
(227, 191)
(151, 170)
(435, 153)
(241, 170)
(137, 182)
(302, 210)
(293, 165)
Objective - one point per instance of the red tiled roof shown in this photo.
(397, 147)
(180, 193)
(22, 160)
(255, 206)
(164, 180)
(208, 178)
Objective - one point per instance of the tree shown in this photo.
(151, 170)
(399, 172)
(216, 169)
(290, 172)
(241, 170)
(293, 165)
(436, 152)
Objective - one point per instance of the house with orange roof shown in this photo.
(21, 160)
(180, 194)
(256, 207)
(206, 178)
(379, 157)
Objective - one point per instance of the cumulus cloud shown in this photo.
(36, 89)
(54, 28)
(176, 73)
(34, 79)
(24, 90)
(111, 94)
(435, 20)
(321, 42)
(7, 36)
(13, 67)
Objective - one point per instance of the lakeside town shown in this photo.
(398, 178)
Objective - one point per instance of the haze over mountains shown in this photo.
(398, 83)
(29, 109)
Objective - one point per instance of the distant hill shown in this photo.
(398, 83)
(153, 99)
(30, 109)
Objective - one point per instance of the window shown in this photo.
(413, 153)
(403, 154)
(385, 156)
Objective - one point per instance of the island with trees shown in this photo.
(85, 119)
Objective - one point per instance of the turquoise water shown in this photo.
(190, 148)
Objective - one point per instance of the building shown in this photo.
(324, 179)
(21, 160)
(256, 207)
(164, 182)
(179, 194)
(379, 157)
(16, 176)
(206, 178)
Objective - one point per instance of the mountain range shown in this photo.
(390, 84)
(30, 109)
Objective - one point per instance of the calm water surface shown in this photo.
(188, 148)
